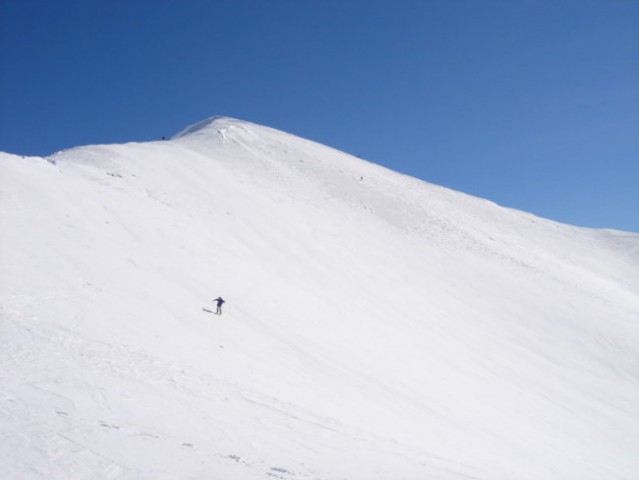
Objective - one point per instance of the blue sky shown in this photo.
(533, 104)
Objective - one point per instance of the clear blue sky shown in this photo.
(533, 104)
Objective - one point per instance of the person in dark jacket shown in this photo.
(220, 302)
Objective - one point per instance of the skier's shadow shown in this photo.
(207, 310)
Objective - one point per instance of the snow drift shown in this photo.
(376, 326)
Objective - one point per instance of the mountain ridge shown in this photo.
(376, 326)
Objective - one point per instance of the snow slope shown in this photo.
(376, 326)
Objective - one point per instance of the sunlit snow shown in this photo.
(376, 326)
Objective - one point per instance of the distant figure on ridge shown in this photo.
(220, 302)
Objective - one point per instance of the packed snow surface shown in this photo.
(376, 326)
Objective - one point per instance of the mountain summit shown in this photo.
(211, 125)
(375, 327)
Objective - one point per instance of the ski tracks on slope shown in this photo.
(59, 419)
(78, 425)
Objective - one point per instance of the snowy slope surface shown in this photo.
(376, 326)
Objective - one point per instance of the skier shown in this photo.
(219, 301)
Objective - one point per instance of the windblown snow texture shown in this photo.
(376, 326)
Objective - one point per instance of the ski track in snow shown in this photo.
(376, 326)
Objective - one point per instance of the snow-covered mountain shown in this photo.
(376, 326)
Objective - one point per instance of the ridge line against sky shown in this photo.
(531, 104)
